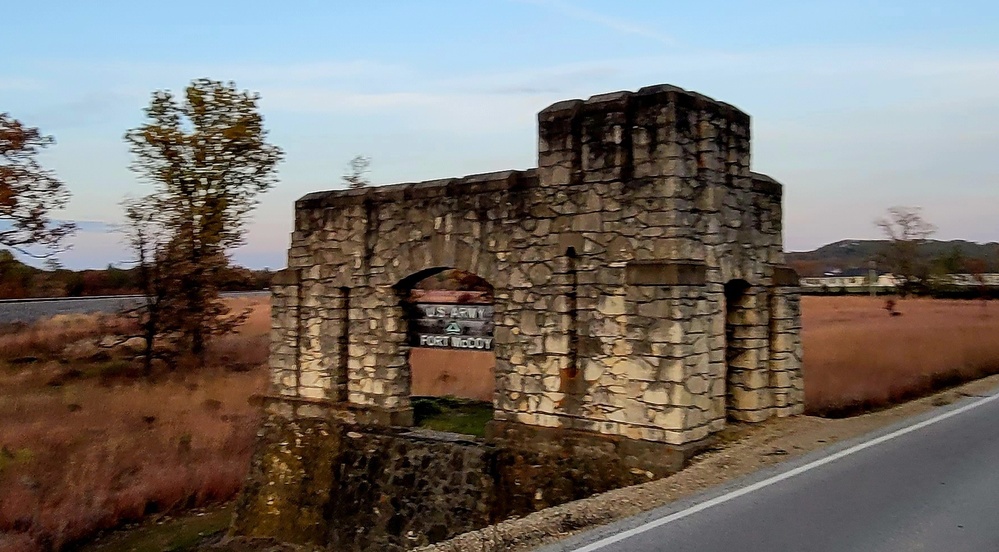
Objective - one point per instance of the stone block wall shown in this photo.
(351, 488)
(786, 353)
(320, 481)
(609, 262)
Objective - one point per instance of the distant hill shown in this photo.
(854, 256)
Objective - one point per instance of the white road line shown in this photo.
(780, 477)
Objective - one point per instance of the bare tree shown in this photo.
(148, 237)
(28, 192)
(356, 169)
(977, 269)
(906, 231)
(208, 158)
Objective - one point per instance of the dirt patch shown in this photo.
(197, 528)
(742, 450)
(458, 373)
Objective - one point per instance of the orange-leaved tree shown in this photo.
(29, 192)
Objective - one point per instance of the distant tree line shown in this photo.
(19, 280)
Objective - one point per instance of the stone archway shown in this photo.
(588, 252)
(449, 321)
(608, 261)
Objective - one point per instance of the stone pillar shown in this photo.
(553, 283)
(533, 342)
(315, 348)
(377, 368)
(714, 309)
(750, 399)
(668, 368)
(322, 351)
(786, 380)
(284, 333)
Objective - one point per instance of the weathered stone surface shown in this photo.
(542, 467)
(317, 481)
(666, 273)
(324, 482)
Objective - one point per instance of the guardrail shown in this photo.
(84, 298)
(105, 297)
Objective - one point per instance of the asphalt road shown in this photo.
(27, 310)
(930, 484)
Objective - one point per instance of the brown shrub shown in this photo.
(50, 336)
(75, 337)
(17, 542)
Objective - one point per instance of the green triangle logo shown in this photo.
(453, 329)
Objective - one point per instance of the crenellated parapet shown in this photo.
(658, 131)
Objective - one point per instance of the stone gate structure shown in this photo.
(641, 302)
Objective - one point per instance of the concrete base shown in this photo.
(659, 459)
(301, 407)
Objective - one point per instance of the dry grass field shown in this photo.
(857, 357)
(87, 445)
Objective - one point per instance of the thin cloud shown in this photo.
(318, 99)
(613, 23)
(557, 79)
(19, 84)
(89, 109)
(259, 72)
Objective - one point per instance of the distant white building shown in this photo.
(889, 282)
(969, 280)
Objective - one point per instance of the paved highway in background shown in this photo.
(28, 310)
(931, 485)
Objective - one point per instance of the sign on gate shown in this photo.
(452, 326)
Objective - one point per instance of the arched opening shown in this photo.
(449, 320)
(738, 315)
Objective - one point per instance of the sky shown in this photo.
(856, 105)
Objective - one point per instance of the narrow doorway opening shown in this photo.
(737, 313)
